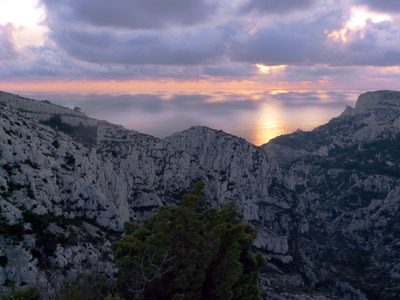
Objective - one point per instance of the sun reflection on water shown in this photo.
(269, 123)
(305, 110)
(258, 115)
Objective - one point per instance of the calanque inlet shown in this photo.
(325, 203)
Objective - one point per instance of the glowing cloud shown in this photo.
(27, 17)
(270, 69)
(277, 92)
(358, 21)
(390, 70)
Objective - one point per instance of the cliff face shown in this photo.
(326, 202)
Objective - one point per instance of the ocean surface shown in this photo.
(256, 115)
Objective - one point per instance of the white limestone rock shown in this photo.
(308, 207)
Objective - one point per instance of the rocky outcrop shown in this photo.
(378, 102)
(376, 117)
(325, 202)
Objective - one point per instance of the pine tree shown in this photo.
(189, 252)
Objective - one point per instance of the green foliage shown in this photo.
(56, 144)
(113, 297)
(17, 230)
(3, 260)
(46, 241)
(54, 121)
(38, 222)
(370, 160)
(32, 164)
(29, 293)
(30, 193)
(81, 133)
(187, 252)
(9, 168)
(12, 186)
(87, 287)
(69, 159)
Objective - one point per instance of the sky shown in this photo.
(254, 68)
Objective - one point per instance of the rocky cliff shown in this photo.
(326, 202)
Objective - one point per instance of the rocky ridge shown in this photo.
(326, 202)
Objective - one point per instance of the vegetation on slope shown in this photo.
(181, 252)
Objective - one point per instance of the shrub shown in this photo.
(29, 293)
(56, 144)
(69, 159)
(3, 260)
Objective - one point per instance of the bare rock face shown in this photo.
(378, 101)
(375, 117)
(348, 112)
(325, 202)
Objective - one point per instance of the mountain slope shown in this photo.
(340, 182)
(326, 202)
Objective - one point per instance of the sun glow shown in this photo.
(270, 69)
(278, 92)
(27, 18)
(390, 70)
(358, 21)
(269, 123)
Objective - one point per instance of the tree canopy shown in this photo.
(189, 252)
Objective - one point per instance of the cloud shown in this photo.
(132, 14)
(285, 44)
(390, 6)
(220, 47)
(307, 44)
(7, 46)
(92, 44)
(275, 7)
(195, 47)
(229, 70)
(136, 32)
(49, 63)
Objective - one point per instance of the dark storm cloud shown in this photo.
(201, 46)
(389, 6)
(276, 6)
(133, 14)
(7, 48)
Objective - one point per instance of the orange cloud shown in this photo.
(136, 86)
